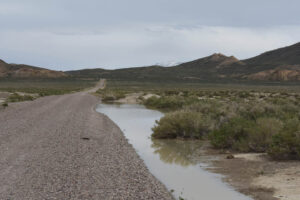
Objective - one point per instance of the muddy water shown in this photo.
(170, 161)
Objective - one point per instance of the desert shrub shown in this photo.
(181, 124)
(256, 110)
(260, 136)
(52, 91)
(5, 104)
(120, 95)
(15, 97)
(109, 95)
(165, 102)
(171, 92)
(185, 93)
(108, 98)
(232, 134)
(252, 111)
(246, 135)
(243, 94)
(207, 107)
(286, 144)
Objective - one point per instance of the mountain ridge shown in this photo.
(281, 64)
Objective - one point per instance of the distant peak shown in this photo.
(218, 57)
(219, 54)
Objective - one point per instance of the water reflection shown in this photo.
(173, 162)
(177, 151)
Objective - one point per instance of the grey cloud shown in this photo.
(69, 34)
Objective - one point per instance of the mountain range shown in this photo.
(277, 65)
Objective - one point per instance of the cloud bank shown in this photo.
(65, 35)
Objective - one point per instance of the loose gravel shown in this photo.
(59, 147)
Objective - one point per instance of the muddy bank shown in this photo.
(257, 175)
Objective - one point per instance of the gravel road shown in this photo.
(59, 147)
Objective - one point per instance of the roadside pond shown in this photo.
(172, 162)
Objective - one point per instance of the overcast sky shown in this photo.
(75, 34)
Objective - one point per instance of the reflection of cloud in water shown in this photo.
(177, 151)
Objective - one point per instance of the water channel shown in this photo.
(170, 161)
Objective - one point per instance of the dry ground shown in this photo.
(259, 176)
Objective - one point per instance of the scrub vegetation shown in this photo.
(45, 87)
(22, 89)
(5, 104)
(108, 95)
(15, 97)
(241, 118)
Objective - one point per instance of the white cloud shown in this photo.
(138, 45)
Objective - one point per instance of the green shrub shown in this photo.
(208, 107)
(16, 98)
(171, 92)
(261, 135)
(181, 124)
(246, 135)
(286, 144)
(5, 104)
(244, 94)
(165, 102)
(108, 98)
(232, 134)
(111, 95)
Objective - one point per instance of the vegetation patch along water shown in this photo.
(239, 119)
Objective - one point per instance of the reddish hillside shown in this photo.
(26, 71)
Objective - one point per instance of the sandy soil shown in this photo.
(59, 147)
(133, 98)
(4, 95)
(259, 176)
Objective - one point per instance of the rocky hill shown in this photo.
(26, 71)
(278, 65)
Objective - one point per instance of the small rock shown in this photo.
(230, 156)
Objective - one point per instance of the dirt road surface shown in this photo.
(59, 147)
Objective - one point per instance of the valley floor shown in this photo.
(59, 147)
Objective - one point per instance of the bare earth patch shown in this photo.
(132, 98)
(4, 95)
(285, 181)
(258, 176)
